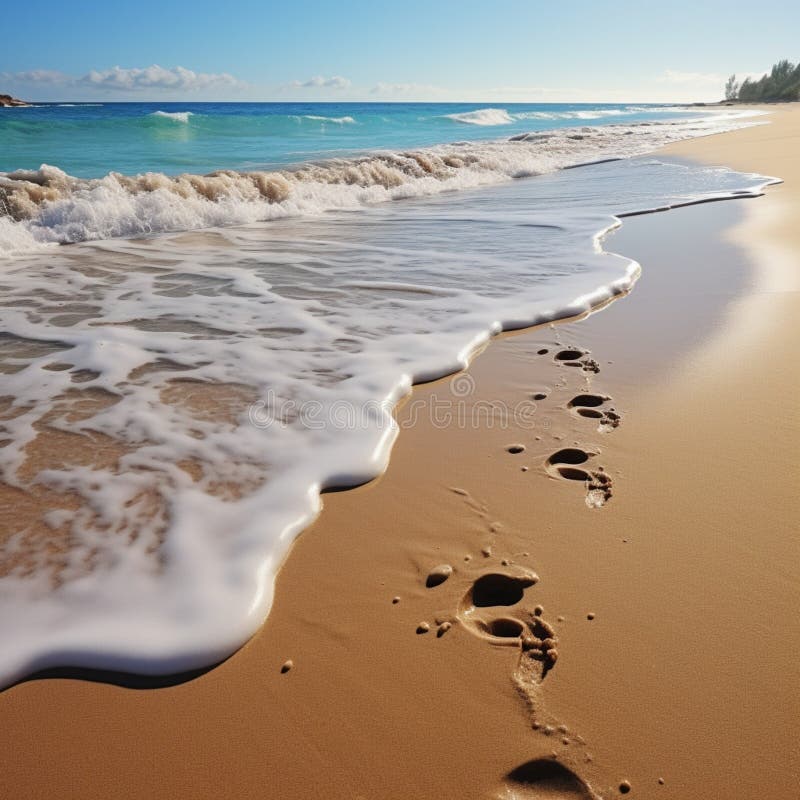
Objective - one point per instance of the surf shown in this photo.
(49, 206)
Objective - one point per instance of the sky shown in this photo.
(349, 50)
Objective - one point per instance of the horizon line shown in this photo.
(95, 100)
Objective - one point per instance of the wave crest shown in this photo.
(175, 116)
(337, 120)
(483, 116)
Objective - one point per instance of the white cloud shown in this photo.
(405, 89)
(135, 79)
(752, 76)
(691, 78)
(320, 82)
(526, 90)
(156, 77)
(47, 77)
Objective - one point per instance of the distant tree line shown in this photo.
(781, 84)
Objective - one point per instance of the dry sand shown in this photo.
(663, 643)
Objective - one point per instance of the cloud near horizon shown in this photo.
(132, 79)
(320, 82)
(155, 82)
(156, 77)
(704, 80)
(677, 77)
(405, 89)
(48, 77)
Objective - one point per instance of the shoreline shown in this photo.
(111, 650)
(447, 708)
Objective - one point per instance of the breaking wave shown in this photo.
(337, 120)
(501, 116)
(176, 116)
(483, 116)
(48, 206)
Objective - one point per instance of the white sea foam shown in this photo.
(202, 388)
(336, 120)
(175, 116)
(16, 239)
(587, 113)
(483, 116)
(502, 116)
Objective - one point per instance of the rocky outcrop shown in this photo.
(6, 101)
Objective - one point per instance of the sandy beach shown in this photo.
(578, 577)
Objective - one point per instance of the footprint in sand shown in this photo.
(571, 463)
(572, 357)
(594, 406)
(545, 779)
(514, 626)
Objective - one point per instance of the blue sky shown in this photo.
(438, 50)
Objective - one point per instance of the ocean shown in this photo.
(88, 140)
(248, 291)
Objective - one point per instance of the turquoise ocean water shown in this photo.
(89, 140)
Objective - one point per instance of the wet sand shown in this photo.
(660, 635)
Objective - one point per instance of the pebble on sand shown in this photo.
(438, 575)
(624, 787)
(423, 627)
(286, 666)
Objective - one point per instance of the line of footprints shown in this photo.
(575, 463)
(496, 609)
(496, 606)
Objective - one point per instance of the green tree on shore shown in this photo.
(731, 88)
(781, 84)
